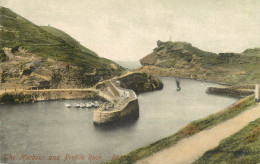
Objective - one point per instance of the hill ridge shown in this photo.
(181, 59)
(46, 56)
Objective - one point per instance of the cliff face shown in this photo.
(32, 56)
(136, 81)
(140, 82)
(27, 70)
(181, 59)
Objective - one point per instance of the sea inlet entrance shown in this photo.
(48, 129)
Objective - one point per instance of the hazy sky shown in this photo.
(129, 29)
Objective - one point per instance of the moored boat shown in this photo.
(96, 104)
(67, 105)
(92, 104)
(82, 105)
(76, 105)
(87, 105)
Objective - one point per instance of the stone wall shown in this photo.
(121, 107)
(45, 95)
(237, 93)
(128, 112)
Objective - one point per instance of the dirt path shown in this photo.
(190, 149)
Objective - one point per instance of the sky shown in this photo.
(127, 30)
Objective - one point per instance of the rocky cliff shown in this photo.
(140, 82)
(44, 57)
(181, 59)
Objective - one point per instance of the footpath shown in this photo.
(190, 149)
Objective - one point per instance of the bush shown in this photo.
(15, 49)
(3, 57)
(7, 98)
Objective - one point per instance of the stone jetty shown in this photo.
(122, 104)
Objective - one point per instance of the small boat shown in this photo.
(92, 104)
(87, 105)
(96, 104)
(76, 105)
(82, 105)
(67, 105)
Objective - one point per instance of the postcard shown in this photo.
(133, 81)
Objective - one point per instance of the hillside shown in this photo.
(252, 51)
(34, 56)
(68, 39)
(242, 147)
(181, 59)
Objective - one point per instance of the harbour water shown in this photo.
(50, 129)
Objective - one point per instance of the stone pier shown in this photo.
(122, 105)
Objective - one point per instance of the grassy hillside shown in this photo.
(183, 60)
(17, 32)
(68, 39)
(242, 147)
(252, 51)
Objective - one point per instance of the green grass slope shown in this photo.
(68, 39)
(242, 147)
(16, 31)
(252, 51)
(167, 54)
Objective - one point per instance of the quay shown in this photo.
(122, 104)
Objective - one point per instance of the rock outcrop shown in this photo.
(140, 82)
(181, 59)
(136, 81)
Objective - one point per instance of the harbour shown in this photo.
(49, 128)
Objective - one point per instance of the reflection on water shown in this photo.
(47, 128)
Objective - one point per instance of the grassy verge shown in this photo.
(242, 147)
(189, 130)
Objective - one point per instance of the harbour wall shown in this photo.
(28, 96)
(127, 113)
(121, 105)
(121, 108)
(231, 92)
